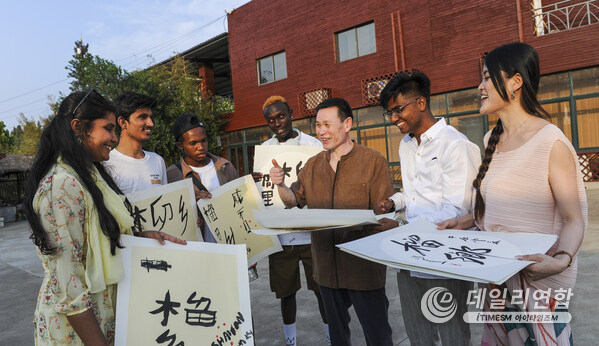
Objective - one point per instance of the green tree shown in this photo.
(174, 85)
(88, 71)
(26, 135)
(177, 90)
(17, 138)
(91, 71)
(5, 138)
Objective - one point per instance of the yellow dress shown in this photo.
(60, 204)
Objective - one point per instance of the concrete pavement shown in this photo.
(21, 275)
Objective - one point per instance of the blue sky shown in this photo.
(37, 40)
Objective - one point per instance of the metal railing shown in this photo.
(564, 15)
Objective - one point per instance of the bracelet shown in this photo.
(562, 252)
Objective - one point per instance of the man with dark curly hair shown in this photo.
(131, 167)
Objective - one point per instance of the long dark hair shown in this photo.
(59, 139)
(510, 59)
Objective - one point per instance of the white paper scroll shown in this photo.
(467, 255)
(169, 208)
(230, 216)
(196, 294)
(280, 221)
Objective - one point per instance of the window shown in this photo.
(464, 100)
(235, 137)
(374, 138)
(370, 116)
(393, 139)
(356, 42)
(586, 81)
(258, 134)
(588, 122)
(438, 104)
(559, 115)
(554, 86)
(272, 68)
(303, 125)
(472, 126)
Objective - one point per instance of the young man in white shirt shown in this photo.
(131, 167)
(284, 273)
(438, 165)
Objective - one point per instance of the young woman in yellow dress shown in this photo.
(77, 214)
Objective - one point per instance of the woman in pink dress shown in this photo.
(529, 181)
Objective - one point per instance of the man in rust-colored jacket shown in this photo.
(345, 176)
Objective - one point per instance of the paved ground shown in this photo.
(21, 275)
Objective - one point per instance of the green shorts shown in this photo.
(284, 271)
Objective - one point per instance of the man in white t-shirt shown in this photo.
(438, 165)
(131, 167)
(207, 171)
(284, 270)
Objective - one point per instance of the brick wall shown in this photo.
(443, 38)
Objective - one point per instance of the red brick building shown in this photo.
(309, 50)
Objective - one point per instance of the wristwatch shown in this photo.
(392, 204)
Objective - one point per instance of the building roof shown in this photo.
(15, 163)
(216, 52)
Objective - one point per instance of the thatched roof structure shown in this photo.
(16, 163)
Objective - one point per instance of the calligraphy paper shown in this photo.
(291, 158)
(194, 294)
(167, 208)
(467, 255)
(300, 220)
(230, 217)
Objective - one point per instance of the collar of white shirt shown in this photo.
(429, 134)
(291, 141)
